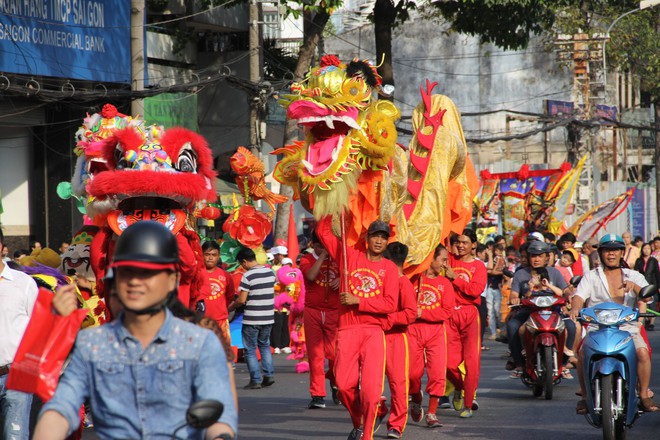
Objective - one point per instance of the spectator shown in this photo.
(257, 294)
(590, 249)
(35, 245)
(280, 337)
(63, 247)
(648, 266)
(656, 248)
(631, 252)
(18, 293)
(494, 268)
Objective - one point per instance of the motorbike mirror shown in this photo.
(575, 280)
(648, 291)
(204, 413)
(508, 273)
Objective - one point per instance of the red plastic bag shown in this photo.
(45, 346)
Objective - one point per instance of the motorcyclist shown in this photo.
(537, 254)
(142, 371)
(613, 283)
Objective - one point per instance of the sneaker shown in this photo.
(393, 433)
(317, 402)
(457, 401)
(268, 381)
(335, 395)
(492, 337)
(444, 402)
(466, 413)
(276, 351)
(286, 350)
(475, 405)
(356, 434)
(516, 374)
(416, 412)
(432, 421)
(252, 386)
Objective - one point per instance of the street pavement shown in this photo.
(507, 409)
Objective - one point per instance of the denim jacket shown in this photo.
(138, 393)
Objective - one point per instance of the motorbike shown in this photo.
(610, 366)
(201, 415)
(543, 341)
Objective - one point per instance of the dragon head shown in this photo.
(346, 130)
(170, 169)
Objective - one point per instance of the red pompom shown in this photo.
(486, 175)
(330, 60)
(565, 166)
(523, 173)
(109, 111)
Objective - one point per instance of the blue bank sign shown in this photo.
(77, 39)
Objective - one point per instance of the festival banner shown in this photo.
(488, 209)
(598, 217)
(561, 196)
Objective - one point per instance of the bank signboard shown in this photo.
(77, 39)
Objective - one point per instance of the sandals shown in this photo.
(647, 404)
(516, 374)
(581, 408)
(566, 374)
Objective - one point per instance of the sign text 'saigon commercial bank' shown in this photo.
(78, 39)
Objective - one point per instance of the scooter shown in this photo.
(201, 415)
(544, 341)
(610, 367)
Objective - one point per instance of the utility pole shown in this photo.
(137, 54)
(255, 75)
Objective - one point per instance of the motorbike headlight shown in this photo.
(608, 317)
(544, 301)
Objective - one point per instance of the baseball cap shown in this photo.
(378, 226)
(279, 250)
(287, 261)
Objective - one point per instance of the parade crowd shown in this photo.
(362, 319)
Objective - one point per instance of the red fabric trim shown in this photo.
(145, 265)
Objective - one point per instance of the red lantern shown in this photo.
(210, 212)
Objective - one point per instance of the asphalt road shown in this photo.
(507, 409)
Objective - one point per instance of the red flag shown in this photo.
(292, 237)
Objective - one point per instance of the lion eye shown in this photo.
(187, 162)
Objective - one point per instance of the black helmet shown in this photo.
(146, 244)
(537, 248)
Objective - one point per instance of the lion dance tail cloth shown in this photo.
(350, 162)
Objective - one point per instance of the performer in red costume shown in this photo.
(320, 319)
(371, 294)
(427, 338)
(468, 276)
(396, 362)
(215, 300)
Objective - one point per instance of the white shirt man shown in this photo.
(18, 293)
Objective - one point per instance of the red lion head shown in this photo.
(174, 168)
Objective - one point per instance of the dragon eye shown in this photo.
(187, 162)
(120, 160)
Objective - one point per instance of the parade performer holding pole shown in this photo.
(369, 295)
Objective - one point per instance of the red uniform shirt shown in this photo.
(318, 293)
(222, 294)
(470, 281)
(398, 321)
(436, 298)
(376, 283)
